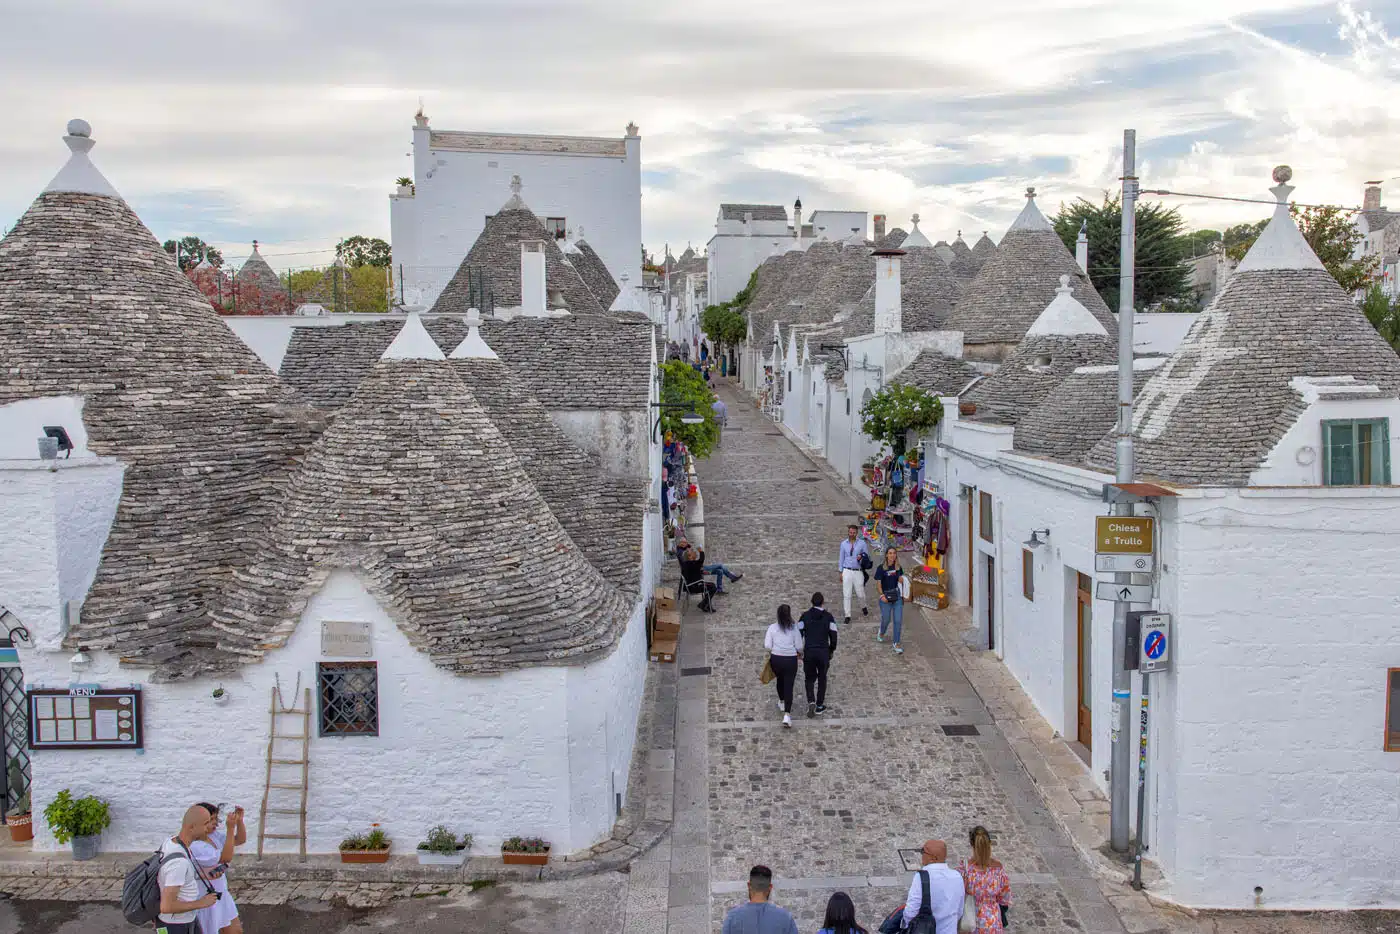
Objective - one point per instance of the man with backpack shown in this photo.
(168, 890)
(935, 901)
(818, 628)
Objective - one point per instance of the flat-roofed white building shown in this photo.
(458, 177)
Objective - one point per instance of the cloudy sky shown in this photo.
(288, 121)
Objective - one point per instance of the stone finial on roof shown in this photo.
(632, 129)
(420, 119)
(1065, 316)
(515, 202)
(916, 236)
(472, 346)
(413, 342)
(78, 173)
(1281, 244)
(1030, 217)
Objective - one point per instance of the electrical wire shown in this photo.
(1190, 194)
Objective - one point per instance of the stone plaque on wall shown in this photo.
(345, 640)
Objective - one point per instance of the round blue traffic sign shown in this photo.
(1156, 645)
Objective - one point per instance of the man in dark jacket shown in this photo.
(818, 628)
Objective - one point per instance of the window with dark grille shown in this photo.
(1392, 712)
(349, 698)
(555, 225)
(1356, 452)
(984, 516)
(1027, 574)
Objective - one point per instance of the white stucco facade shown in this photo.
(461, 178)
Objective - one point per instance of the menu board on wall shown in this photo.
(85, 718)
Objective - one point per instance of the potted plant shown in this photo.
(20, 821)
(220, 695)
(80, 820)
(525, 851)
(372, 847)
(404, 186)
(443, 848)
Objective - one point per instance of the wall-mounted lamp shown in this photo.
(1036, 540)
(965, 495)
(691, 417)
(80, 660)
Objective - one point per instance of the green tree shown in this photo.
(895, 411)
(1331, 234)
(192, 252)
(1162, 272)
(369, 288)
(363, 251)
(1198, 242)
(1383, 314)
(1243, 233)
(681, 385)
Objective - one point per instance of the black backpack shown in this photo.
(141, 889)
(923, 922)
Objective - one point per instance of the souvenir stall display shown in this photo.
(896, 514)
(678, 488)
(929, 581)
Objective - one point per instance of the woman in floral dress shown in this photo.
(986, 881)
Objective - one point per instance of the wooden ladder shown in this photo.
(280, 757)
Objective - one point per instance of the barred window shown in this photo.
(349, 698)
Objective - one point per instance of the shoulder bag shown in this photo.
(968, 922)
(904, 586)
(766, 675)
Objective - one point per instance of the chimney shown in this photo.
(879, 226)
(888, 311)
(1372, 199)
(1081, 248)
(532, 285)
(797, 220)
(748, 223)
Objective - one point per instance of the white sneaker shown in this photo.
(787, 719)
(780, 706)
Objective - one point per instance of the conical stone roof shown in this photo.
(927, 294)
(1064, 337)
(414, 488)
(92, 306)
(915, 237)
(594, 272)
(601, 513)
(256, 273)
(892, 240)
(938, 374)
(983, 249)
(496, 256)
(841, 285)
(1067, 424)
(788, 304)
(1225, 398)
(1019, 280)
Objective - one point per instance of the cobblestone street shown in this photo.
(831, 803)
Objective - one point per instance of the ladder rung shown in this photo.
(293, 787)
(284, 810)
(295, 710)
(290, 736)
(283, 836)
(289, 762)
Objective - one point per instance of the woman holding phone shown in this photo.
(212, 854)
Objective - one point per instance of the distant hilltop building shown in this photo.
(575, 181)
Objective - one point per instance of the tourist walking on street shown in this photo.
(758, 915)
(944, 886)
(986, 881)
(893, 586)
(818, 628)
(183, 889)
(784, 645)
(213, 853)
(841, 916)
(855, 558)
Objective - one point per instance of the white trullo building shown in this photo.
(424, 564)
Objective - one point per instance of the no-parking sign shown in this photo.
(1155, 646)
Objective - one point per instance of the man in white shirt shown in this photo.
(945, 890)
(182, 893)
(852, 574)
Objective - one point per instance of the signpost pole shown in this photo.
(1122, 680)
(1142, 780)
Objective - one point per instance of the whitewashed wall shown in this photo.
(734, 256)
(531, 752)
(1269, 746)
(622, 439)
(1297, 458)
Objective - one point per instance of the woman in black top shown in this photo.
(891, 597)
(693, 574)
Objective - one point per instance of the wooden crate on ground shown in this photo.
(665, 598)
(667, 625)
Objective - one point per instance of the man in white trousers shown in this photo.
(852, 574)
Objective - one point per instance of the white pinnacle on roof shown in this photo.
(628, 298)
(570, 244)
(413, 342)
(916, 236)
(1065, 316)
(78, 173)
(1281, 245)
(1030, 217)
(472, 345)
(515, 202)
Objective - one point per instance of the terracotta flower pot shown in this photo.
(21, 827)
(512, 858)
(365, 856)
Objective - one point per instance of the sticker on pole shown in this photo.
(1156, 643)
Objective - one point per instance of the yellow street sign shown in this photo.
(1123, 535)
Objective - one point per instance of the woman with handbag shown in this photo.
(986, 882)
(894, 590)
(784, 644)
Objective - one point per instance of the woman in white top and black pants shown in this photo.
(784, 644)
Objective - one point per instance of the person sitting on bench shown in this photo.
(693, 578)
